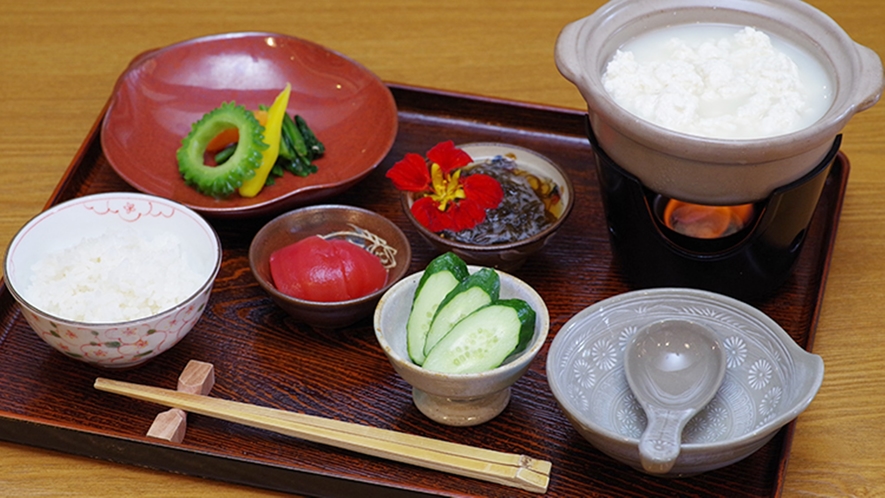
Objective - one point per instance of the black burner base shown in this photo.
(750, 264)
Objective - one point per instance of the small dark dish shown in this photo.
(296, 225)
(507, 256)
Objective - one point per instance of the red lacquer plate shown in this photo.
(163, 92)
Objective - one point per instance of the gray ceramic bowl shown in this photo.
(707, 170)
(508, 256)
(769, 379)
(296, 225)
(456, 399)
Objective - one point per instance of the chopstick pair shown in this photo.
(509, 469)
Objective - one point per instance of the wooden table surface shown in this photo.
(60, 59)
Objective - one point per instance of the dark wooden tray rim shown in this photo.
(262, 357)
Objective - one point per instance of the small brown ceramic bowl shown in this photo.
(325, 220)
(507, 256)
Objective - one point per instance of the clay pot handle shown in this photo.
(568, 59)
(870, 81)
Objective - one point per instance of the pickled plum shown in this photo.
(316, 269)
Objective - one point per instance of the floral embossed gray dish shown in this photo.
(769, 379)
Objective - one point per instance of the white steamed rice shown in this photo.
(115, 277)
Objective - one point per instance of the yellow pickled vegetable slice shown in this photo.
(272, 135)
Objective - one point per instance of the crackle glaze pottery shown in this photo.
(122, 344)
(456, 399)
(769, 379)
(706, 170)
(326, 219)
(512, 255)
(163, 92)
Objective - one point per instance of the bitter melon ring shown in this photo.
(225, 178)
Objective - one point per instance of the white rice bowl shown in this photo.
(113, 279)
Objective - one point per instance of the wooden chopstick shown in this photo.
(514, 470)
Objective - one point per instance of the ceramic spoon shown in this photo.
(674, 368)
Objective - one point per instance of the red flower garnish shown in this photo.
(447, 202)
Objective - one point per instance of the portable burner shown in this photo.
(745, 251)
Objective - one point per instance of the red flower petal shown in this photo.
(446, 220)
(422, 210)
(483, 189)
(467, 214)
(411, 174)
(448, 156)
(426, 212)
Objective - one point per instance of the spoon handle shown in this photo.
(662, 439)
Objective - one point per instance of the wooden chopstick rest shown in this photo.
(519, 471)
(197, 378)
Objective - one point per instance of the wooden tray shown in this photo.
(262, 357)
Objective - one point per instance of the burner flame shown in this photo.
(706, 222)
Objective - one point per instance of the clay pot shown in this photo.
(708, 170)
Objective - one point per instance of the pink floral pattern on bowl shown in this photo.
(128, 209)
(122, 344)
(125, 344)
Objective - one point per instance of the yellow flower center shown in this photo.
(446, 187)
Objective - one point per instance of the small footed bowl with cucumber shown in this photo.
(461, 336)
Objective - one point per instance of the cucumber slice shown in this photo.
(474, 292)
(441, 276)
(484, 339)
